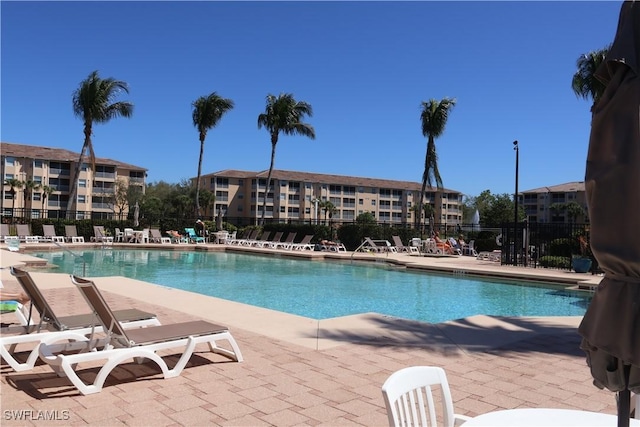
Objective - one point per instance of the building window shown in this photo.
(37, 197)
(8, 176)
(294, 186)
(82, 183)
(82, 198)
(361, 201)
(58, 168)
(241, 182)
(59, 184)
(282, 209)
(222, 182)
(37, 180)
(373, 202)
(10, 161)
(37, 164)
(222, 196)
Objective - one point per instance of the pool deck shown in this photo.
(299, 371)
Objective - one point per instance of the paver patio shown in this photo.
(300, 371)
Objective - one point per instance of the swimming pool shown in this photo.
(322, 290)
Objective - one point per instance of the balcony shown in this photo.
(108, 175)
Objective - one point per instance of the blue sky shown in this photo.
(365, 67)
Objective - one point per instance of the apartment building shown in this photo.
(54, 168)
(298, 196)
(545, 204)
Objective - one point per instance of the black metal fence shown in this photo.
(525, 244)
(545, 245)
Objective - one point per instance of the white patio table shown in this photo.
(545, 417)
(221, 236)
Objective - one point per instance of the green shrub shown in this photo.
(550, 261)
(562, 247)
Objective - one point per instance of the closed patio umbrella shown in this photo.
(611, 325)
(136, 214)
(219, 220)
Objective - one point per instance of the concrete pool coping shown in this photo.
(323, 334)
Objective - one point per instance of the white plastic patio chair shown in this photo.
(408, 396)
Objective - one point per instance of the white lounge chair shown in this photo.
(121, 345)
(304, 244)
(24, 234)
(262, 240)
(49, 232)
(100, 236)
(376, 245)
(288, 242)
(157, 237)
(400, 247)
(274, 240)
(71, 234)
(51, 328)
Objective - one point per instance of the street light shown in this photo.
(315, 201)
(515, 211)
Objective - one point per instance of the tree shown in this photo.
(327, 207)
(434, 118)
(366, 218)
(584, 83)
(29, 187)
(557, 209)
(283, 114)
(120, 198)
(207, 112)
(46, 193)
(13, 184)
(496, 209)
(94, 101)
(574, 210)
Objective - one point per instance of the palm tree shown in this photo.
(584, 83)
(29, 187)
(46, 192)
(13, 184)
(207, 112)
(283, 114)
(434, 118)
(327, 207)
(94, 101)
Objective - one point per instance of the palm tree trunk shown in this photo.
(274, 141)
(76, 176)
(202, 137)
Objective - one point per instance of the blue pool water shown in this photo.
(322, 290)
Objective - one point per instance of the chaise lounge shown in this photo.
(51, 328)
(121, 345)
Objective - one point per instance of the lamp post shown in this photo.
(515, 210)
(315, 201)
